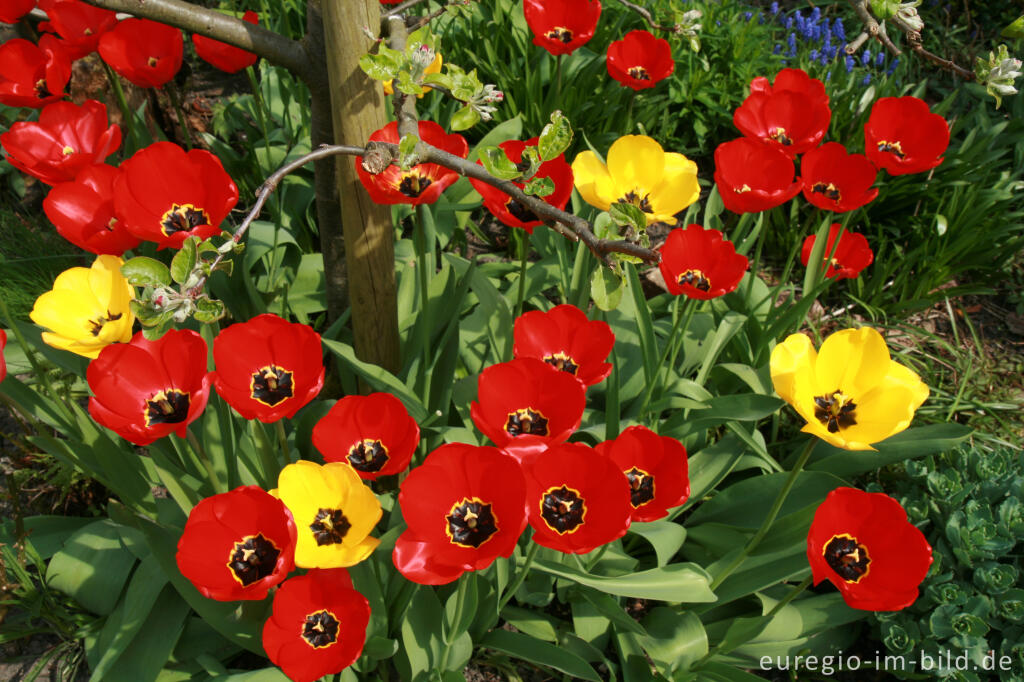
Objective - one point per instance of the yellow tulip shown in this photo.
(334, 513)
(851, 392)
(433, 67)
(641, 173)
(87, 309)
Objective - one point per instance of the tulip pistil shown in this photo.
(413, 184)
(562, 509)
(368, 455)
(320, 629)
(96, 326)
(641, 202)
(829, 190)
(329, 527)
(639, 73)
(42, 92)
(526, 421)
(169, 406)
(894, 147)
(471, 523)
(561, 361)
(641, 487)
(560, 33)
(695, 278)
(182, 218)
(779, 135)
(835, 410)
(847, 557)
(270, 385)
(252, 559)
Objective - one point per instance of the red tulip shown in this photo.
(655, 467)
(373, 433)
(560, 26)
(83, 212)
(147, 53)
(903, 136)
(465, 506)
(31, 75)
(753, 177)
(3, 362)
(237, 545)
(318, 625)
(851, 256)
(145, 390)
(640, 60)
(268, 368)
(863, 544)
(700, 263)
(577, 499)
(564, 338)
(837, 181)
(223, 56)
(511, 212)
(791, 115)
(421, 184)
(166, 195)
(67, 139)
(13, 10)
(524, 406)
(80, 25)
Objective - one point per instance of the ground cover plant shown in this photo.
(584, 365)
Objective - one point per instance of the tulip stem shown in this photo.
(524, 252)
(172, 93)
(558, 79)
(271, 465)
(422, 318)
(122, 103)
(678, 329)
(460, 602)
(282, 438)
(629, 113)
(260, 108)
(520, 576)
(198, 448)
(770, 518)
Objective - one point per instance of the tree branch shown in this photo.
(872, 27)
(272, 46)
(646, 14)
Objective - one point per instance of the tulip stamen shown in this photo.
(413, 184)
(329, 527)
(560, 33)
(779, 135)
(639, 73)
(562, 509)
(96, 326)
(835, 410)
(169, 406)
(641, 202)
(68, 150)
(561, 361)
(182, 218)
(695, 278)
(320, 629)
(526, 421)
(894, 147)
(641, 487)
(271, 385)
(741, 189)
(368, 455)
(42, 91)
(521, 212)
(152, 61)
(847, 557)
(470, 523)
(253, 558)
(829, 190)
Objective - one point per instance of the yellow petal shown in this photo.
(792, 363)
(904, 375)
(677, 190)
(852, 361)
(593, 181)
(635, 163)
(839, 439)
(66, 313)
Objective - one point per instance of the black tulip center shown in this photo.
(641, 487)
(847, 557)
(471, 523)
(182, 218)
(169, 406)
(329, 527)
(320, 629)
(253, 559)
(368, 455)
(270, 385)
(563, 509)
